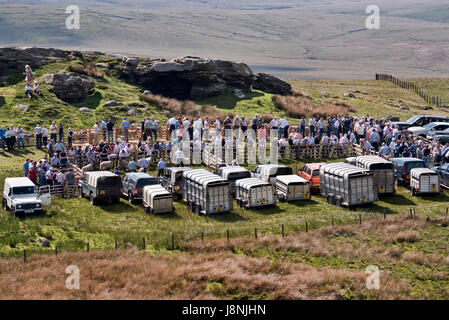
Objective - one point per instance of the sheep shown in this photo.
(123, 164)
(88, 168)
(106, 165)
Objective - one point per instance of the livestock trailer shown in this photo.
(206, 192)
(232, 174)
(292, 188)
(253, 192)
(383, 172)
(156, 199)
(424, 180)
(346, 185)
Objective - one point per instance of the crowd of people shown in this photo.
(370, 134)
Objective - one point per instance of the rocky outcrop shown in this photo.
(188, 77)
(113, 104)
(70, 87)
(17, 58)
(268, 83)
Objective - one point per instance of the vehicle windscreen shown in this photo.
(23, 190)
(316, 173)
(414, 164)
(145, 182)
(239, 175)
(413, 119)
(282, 171)
(110, 182)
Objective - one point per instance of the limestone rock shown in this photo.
(113, 104)
(23, 107)
(43, 242)
(70, 87)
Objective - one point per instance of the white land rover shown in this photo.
(21, 196)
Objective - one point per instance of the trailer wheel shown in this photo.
(147, 209)
(5, 205)
(190, 206)
(330, 199)
(130, 197)
(338, 202)
(13, 212)
(413, 191)
(198, 210)
(81, 195)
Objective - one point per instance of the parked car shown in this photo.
(172, 180)
(269, 172)
(418, 121)
(346, 185)
(20, 195)
(133, 184)
(253, 192)
(432, 134)
(292, 188)
(442, 139)
(429, 128)
(424, 181)
(156, 199)
(206, 192)
(443, 172)
(311, 173)
(101, 186)
(402, 167)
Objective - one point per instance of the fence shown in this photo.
(256, 233)
(433, 100)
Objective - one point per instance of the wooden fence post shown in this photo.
(283, 234)
(24, 256)
(255, 233)
(87, 247)
(143, 243)
(116, 245)
(172, 242)
(227, 234)
(56, 251)
(307, 226)
(360, 219)
(333, 223)
(202, 236)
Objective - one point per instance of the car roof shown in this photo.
(315, 166)
(139, 175)
(19, 182)
(404, 159)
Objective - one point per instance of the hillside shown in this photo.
(381, 99)
(292, 39)
(328, 263)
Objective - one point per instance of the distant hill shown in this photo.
(294, 39)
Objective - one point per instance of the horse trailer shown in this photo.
(232, 174)
(253, 192)
(346, 185)
(383, 172)
(292, 188)
(206, 192)
(156, 199)
(424, 180)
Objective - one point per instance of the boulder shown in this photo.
(188, 77)
(147, 93)
(23, 107)
(70, 87)
(84, 109)
(102, 65)
(43, 242)
(132, 112)
(405, 108)
(113, 104)
(17, 58)
(271, 84)
(239, 93)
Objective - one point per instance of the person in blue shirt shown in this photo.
(26, 167)
(132, 166)
(125, 126)
(2, 137)
(161, 167)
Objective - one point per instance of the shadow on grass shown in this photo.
(436, 198)
(228, 100)
(226, 217)
(116, 208)
(266, 210)
(302, 203)
(92, 102)
(398, 199)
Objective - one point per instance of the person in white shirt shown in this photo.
(179, 157)
(282, 145)
(198, 127)
(60, 178)
(217, 127)
(96, 133)
(283, 127)
(206, 128)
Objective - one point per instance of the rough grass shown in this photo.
(328, 263)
